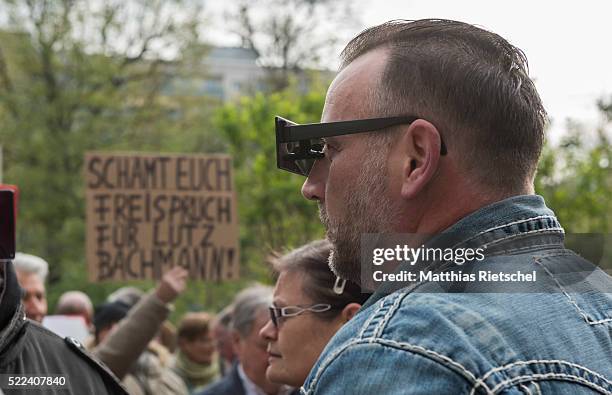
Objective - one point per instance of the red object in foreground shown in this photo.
(9, 196)
(15, 189)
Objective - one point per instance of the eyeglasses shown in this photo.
(278, 313)
(299, 146)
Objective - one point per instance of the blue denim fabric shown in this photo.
(549, 340)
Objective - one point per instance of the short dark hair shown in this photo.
(469, 82)
(311, 260)
(194, 324)
(108, 314)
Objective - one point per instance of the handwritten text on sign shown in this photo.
(148, 213)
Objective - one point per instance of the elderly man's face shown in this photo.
(34, 298)
(351, 182)
(253, 355)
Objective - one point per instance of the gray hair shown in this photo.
(74, 302)
(26, 263)
(311, 260)
(127, 295)
(224, 317)
(247, 304)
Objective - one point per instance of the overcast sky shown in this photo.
(568, 44)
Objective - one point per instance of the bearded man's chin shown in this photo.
(345, 267)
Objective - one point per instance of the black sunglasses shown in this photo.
(299, 146)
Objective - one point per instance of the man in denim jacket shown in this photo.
(460, 166)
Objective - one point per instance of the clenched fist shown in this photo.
(172, 284)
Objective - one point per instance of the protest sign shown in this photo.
(147, 213)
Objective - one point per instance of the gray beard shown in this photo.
(345, 258)
(368, 210)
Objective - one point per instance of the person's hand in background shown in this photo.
(172, 284)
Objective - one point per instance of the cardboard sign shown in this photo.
(148, 213)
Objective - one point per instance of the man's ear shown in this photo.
(181, 342)
(349, 311)
(236, 342)
(420, 146)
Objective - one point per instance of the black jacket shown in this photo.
(230, 384)
(28, 348)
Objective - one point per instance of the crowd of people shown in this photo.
(256, 345)
(431, 128)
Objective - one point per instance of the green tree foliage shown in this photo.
(575, 178)
(78, 76)
(273, 213)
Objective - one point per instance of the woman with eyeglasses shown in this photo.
(310, 305)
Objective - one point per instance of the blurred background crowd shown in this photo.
(264, 342)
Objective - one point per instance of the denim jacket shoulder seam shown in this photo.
(366, 325)
(547, 361)
(554, 253)
(513, 236)
(380, 313)
(383, 322)
(434, 356)
(510, 224)
(431, 354)
(541, 361)
(582, 313)
(526, 249)
(541, 377)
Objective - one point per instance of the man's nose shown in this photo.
(30, 306)
(33, 309)
(268, 332)
(38, 306)
(314, 186)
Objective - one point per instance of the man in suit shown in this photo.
(248, 376)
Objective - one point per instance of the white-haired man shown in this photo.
(248, 376)
(31, 274)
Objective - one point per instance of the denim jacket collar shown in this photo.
(501, 221)
(496, 225)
